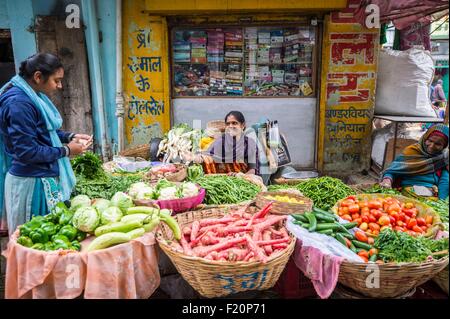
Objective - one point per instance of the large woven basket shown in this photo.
(178, 176)
(289, 181)
(216, 278)
(282, 208)
(216, 124)
(142, 151)
(441, 279)
(342, 292)
(395, 279)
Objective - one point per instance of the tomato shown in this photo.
(347, 202)
(354, 208)
(372, 219)
(412, 222)
(392, 220)
(358, 220)
(355, 216)
(375, 204)
(400, 223)
(398, 228)
(370, 240)
(407, 220)
(401, 216)
(411, 233)
(417, 229)
(395, 215)
(384, 220)
(409, 205)
(366, 260)
(421, 221)
(374, 226)
(364, 204)
(429, 225)
(352, 197)
(347, 217)
(364, 226)
(429, 219)
(365, 219)
(363, 253)
(424, 228)
(369, 231)
(345, 210)
(384, 227)
(376, 232)
(361, 236)
(408, 211)
(365, 210)
(393, 208)
(373, 251)
(376, 213)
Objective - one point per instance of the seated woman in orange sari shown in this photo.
(233, 152)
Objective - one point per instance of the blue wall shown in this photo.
(4, 20)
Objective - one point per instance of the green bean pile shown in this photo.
(227, 189)
(323, 191)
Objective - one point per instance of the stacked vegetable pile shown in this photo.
(51, 232)
(239, 236)
(323, 191)
(379, 213)
(93, 181)
(223, 189)
(163, 190)
(327, 223)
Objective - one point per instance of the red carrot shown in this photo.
(186, 230)
(195, 229)
(187, 249)
(220, 246)
(272, 242)
(214, 221)
(249, 255)
(269, 222)
(276, 232)
(262, 213)
(278, 246)
(259, 252)
(232, 230)
(247, 215)
(266, 237)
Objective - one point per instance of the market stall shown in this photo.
(224, 235)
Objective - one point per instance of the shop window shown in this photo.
(7, 69)
(249, 61)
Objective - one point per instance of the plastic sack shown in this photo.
(403, 82)
(326, 244)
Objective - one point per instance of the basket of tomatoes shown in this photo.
(375, 212)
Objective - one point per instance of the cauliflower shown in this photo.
(136, 188)
(168, 193)
(145, 193)
(189, 189)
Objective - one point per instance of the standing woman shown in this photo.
(35, 171)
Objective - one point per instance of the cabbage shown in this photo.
(122, 200)
(189, 190)
(101, 204)
(145, 193)
(136, 188)
(168, 193)
(86, 219)
(110, 215)
(79, 201)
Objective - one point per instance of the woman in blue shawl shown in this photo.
(422, 168)
(35, 171)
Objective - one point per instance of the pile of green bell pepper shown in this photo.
(51, 232)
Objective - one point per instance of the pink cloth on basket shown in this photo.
(323, 270)
(126, 271)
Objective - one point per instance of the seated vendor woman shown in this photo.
(233, 152)
(422, 168)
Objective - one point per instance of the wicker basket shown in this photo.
(441, 279)
(217, 124)
(216, 278)
(282, 208)
(289, 181)
(142, 151)
(178, 176)
(395, 279)
(342, 292)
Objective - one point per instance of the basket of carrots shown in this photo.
(225, 251)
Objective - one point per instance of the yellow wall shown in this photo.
(201, 6)
(146, 72)
(347, 97)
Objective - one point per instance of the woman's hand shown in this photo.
(84, 139)
(78, 148)
(386, 183)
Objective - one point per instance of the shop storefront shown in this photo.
(277, 62)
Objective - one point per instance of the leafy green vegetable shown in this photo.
(194, 172)
(88, 165)
(441, 207)
(377, 189)
(401, 247)
(105, 187)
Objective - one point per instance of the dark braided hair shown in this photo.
(46, 63)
